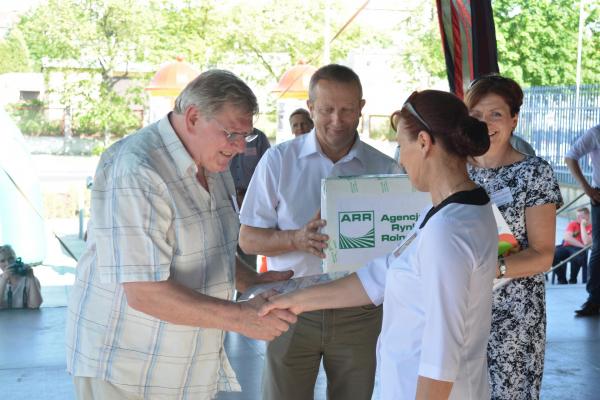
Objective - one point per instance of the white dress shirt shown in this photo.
(285, 190)
(588, 143)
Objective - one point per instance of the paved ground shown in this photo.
(32, 362)
(32, 356)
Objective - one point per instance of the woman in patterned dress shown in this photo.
(526, 192)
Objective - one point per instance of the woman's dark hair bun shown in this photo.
(447, 120)
(477, 138)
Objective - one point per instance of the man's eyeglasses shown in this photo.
(233, 137)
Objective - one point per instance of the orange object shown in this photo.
(294, 82)
(509, 238)
(263, 264)
(171, 78)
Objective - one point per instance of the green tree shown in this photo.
(14, 55)
(187, 28)
(537, 42)
(91, 37)
(106, 36)
(421, 54)
(262, 31)
(109, 113)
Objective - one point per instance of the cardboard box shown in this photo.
(367, 216)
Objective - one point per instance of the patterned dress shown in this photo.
(518, 336)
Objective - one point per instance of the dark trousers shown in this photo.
(593, 283)
(561, 253)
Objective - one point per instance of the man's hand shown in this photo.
(246, 276)
(280, 302)
(273, 276)
(309, 239)
(266, 327)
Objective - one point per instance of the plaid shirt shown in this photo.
(151, 220)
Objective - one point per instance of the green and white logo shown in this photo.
(357, 229)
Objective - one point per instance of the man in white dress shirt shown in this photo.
(280, 219)
(589, 143)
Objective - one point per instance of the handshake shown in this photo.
(276, 300)
(267, 315)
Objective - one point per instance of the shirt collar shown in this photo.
(182, 159)
(477, 197)
(311, 146)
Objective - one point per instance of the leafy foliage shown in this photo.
(537, 43)
(261, 39)
(422, 54)
(108, 114)
(14, 55)
(31, 119)
(105, 36)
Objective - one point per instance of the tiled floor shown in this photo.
(32, 360)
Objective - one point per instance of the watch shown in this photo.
(501, 266)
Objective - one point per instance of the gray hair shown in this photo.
(336, 73)
(9, 253)
(212, 89)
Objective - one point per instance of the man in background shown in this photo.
(300, 122)
(242, 167)
(589, 143)
(577, 236)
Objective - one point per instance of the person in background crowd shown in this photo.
(577, 236)
(527, 194)
(300, 122)
(19, 288)
(589, 143)
(242, 167)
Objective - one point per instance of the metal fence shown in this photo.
(552, 118)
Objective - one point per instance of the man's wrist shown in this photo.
(236, 325)
(292, 239)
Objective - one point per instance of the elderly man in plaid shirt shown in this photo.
(152, 298)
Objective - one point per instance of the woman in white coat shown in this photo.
(436, 287)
